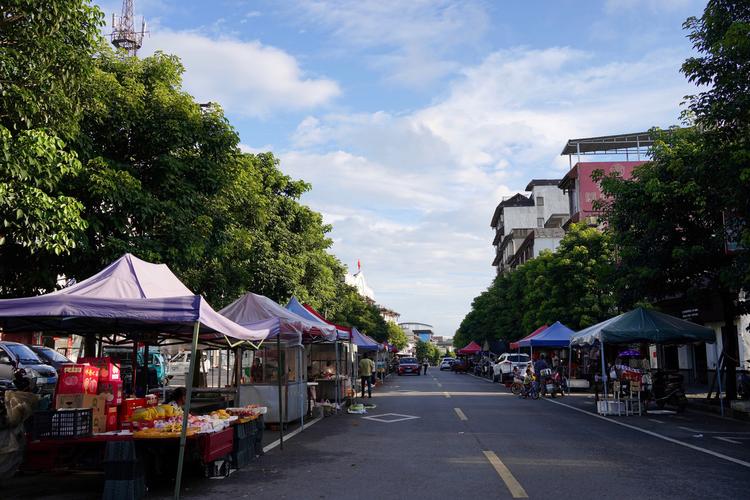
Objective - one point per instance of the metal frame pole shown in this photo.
(302, 377)
(281, 407)
(338, 384)
(570, 365)
(604, 376)
(186, 409)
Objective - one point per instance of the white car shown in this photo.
(446, 363)
(505, 364)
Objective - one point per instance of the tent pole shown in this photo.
(336, 366)
(303, 391)
(186, 410)
(604, 375)
(570, 365)
(281, 408)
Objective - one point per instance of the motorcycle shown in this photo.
(667, 389)
(557, 384)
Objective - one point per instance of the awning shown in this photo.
(258, 311)
(307, 312)
(129, 295)
(518, 343)
(557, 335)
(363, 342)
(644, 325)
(471, 348)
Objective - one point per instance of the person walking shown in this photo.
(366, 368)
(425, 363)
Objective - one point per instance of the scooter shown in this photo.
(667, 389)
(557, 384)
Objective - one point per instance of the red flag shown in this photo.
(359, 266)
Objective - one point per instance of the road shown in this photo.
(460, 436)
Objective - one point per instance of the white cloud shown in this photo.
(412, 194)
(412, 42)
(619, 6)
(246, 78)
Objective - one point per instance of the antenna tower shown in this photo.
(124, 35)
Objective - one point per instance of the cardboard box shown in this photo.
(129, 406)
(108, 371)
(113, 391)
(113, 423)
(78, 379)
(97, 403)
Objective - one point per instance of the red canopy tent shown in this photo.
(516, 345)
(471, 348)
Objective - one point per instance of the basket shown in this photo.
(62, 424)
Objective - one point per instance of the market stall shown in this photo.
(329, 363)
(274, 375)
(138, 300)
(637, 326)
(523, 342)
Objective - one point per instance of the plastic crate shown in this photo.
(62, 424)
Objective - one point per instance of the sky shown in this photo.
(412, 119)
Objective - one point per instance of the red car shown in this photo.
(408, 365)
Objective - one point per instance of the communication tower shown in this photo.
(124, 35)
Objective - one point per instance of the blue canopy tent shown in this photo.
(557, 335)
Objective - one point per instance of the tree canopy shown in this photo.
(570, 285)
(46, 57)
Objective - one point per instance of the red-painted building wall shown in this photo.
(583, 191)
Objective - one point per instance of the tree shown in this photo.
(355, 310)
(45, 58)
(674, 221)
(571, 285)
(397, 336)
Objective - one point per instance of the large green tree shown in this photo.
(677, 221)
(571, 285)
(46, 53)
(396, 336)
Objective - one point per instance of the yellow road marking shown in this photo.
(461, 414)
(446, 394)
(515, 488)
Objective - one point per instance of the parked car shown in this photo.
(503, 369)
(51, 357)
(460, 366)
(409, 365)
(42, 377)
(446, 363)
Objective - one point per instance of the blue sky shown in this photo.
(411, 119)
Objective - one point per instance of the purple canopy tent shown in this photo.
(129, 295)
(259, 312)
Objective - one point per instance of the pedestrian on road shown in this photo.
(366, 368)
(424, 365)
(540, 365)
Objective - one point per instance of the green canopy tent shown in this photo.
(641, 325)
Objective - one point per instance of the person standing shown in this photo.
(539, 365)
(425, 363)
(366, 368)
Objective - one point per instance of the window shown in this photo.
(540, 222)
(540, 201)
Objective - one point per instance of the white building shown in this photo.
(520, 217)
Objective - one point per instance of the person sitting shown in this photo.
(177, 398)
(528, 379)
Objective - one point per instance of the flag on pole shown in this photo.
(359, 266)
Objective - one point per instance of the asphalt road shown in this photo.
(462, 437)
(446, 435)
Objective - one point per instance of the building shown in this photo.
(581, 190)
(518, 216)
(536, 241)
(359, 282)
